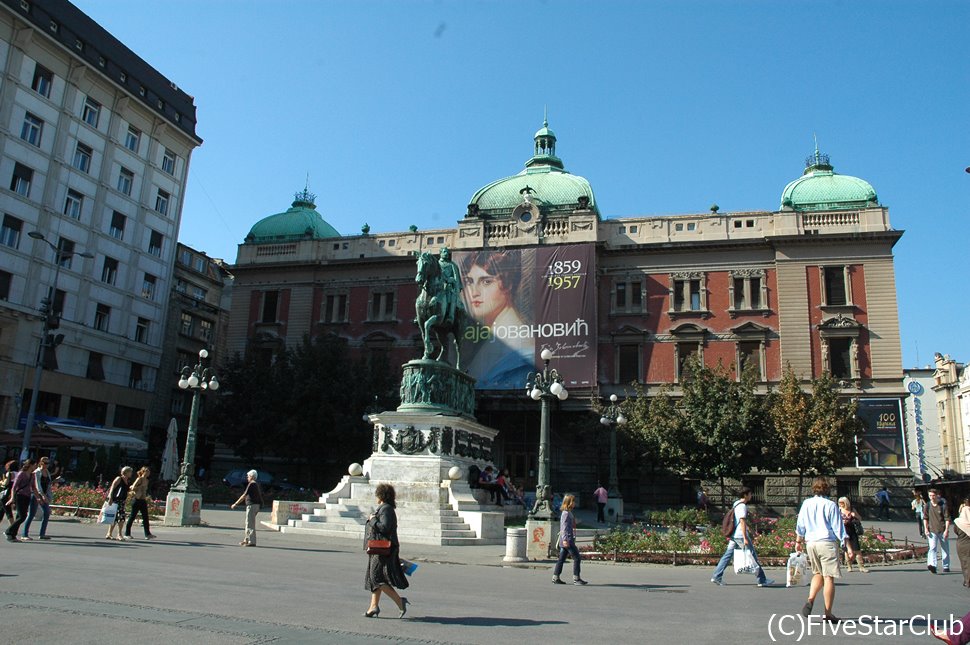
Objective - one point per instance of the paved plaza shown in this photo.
(196, 585)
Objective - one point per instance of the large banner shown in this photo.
(882, 444)
(521, 301)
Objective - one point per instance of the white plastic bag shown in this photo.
(744, 561)
(797, 570)
(108, 513)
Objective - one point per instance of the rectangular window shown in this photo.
(687, 295)
(43, 79)
(95, 369)
(198, 292)
(181, 286)
(270, 304)
(10, 233)
(747, 290)
(336, 308)
(82, 157)
(5, 280)
(840, 363)
(141, 330)
(199, 264)
(185, 257)
(117, 229)
(627, 363)
(185, 325)
(155, 243)
(161, 202)
(32, 129)
(60, 297)
(628, 296)
(205, 330)
(65, 252)
(148, 287)
(836, 293)
(125, 179)
(109, 271)
(168, 162)
(20, 182)
(749, 354)
(73, 204)
(755, 289)
(684, 353)
(132, 138)
(130, 418)
(102, 316)
(382, 305)
(91, 112)
(135, 376)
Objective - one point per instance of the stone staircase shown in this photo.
(418, 523)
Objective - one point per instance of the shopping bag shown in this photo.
(744, 561)
(797, 570)
(108, 513)
(408, 566)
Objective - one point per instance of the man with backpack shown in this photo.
(735, 528)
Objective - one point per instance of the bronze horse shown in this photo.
(431, 309)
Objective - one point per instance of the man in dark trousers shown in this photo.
(936, 520)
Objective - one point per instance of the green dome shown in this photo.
(821, 189)
(300, 222)
(550, 186)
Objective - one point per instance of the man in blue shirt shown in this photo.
(821, 533)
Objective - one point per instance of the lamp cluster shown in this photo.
(612, 413)
(198, 376)
(547, 382)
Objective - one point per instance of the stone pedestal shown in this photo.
(183, 508)
(515, 545)
(614, 510)
(541, 537)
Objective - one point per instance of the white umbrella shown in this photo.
(170, 458)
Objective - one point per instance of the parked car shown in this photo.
(237, 478)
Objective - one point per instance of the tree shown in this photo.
(818, 430)
(305, 407)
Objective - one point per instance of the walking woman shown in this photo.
(41, 492)
(139, 503)
(852, 523)
(6, 490)
(961, 526)
(118, 494)
(20, 498)
(567, 542)
(919, 505)
(384, 572)
(253, 497)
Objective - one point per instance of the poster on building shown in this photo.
(882, 444)
(521, 301)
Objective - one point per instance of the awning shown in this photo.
(107, 437)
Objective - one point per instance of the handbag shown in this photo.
(744, 561)
(108, 513)
(378, 547)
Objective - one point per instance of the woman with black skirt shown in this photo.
(384, 572)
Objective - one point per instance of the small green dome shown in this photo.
(300, 222)
(821, 189)
(551, 187)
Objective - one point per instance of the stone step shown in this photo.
(316, 520)
(444, 540)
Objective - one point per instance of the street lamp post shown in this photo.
(52, 320)
(183, 506)
(544, 386)
(612, 417)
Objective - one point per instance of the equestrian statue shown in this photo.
(439, 308)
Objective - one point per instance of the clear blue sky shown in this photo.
(399, 111)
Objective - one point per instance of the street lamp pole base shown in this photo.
(541, 536)
(183, 508)
(614, 509)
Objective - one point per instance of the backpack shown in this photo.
(728, 525)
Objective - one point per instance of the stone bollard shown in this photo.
(515, 545)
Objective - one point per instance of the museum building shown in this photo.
(618, 299)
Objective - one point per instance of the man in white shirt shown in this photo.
(821, 532)
(742, 539)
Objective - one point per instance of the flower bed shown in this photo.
(83, 501)
(774, 542)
